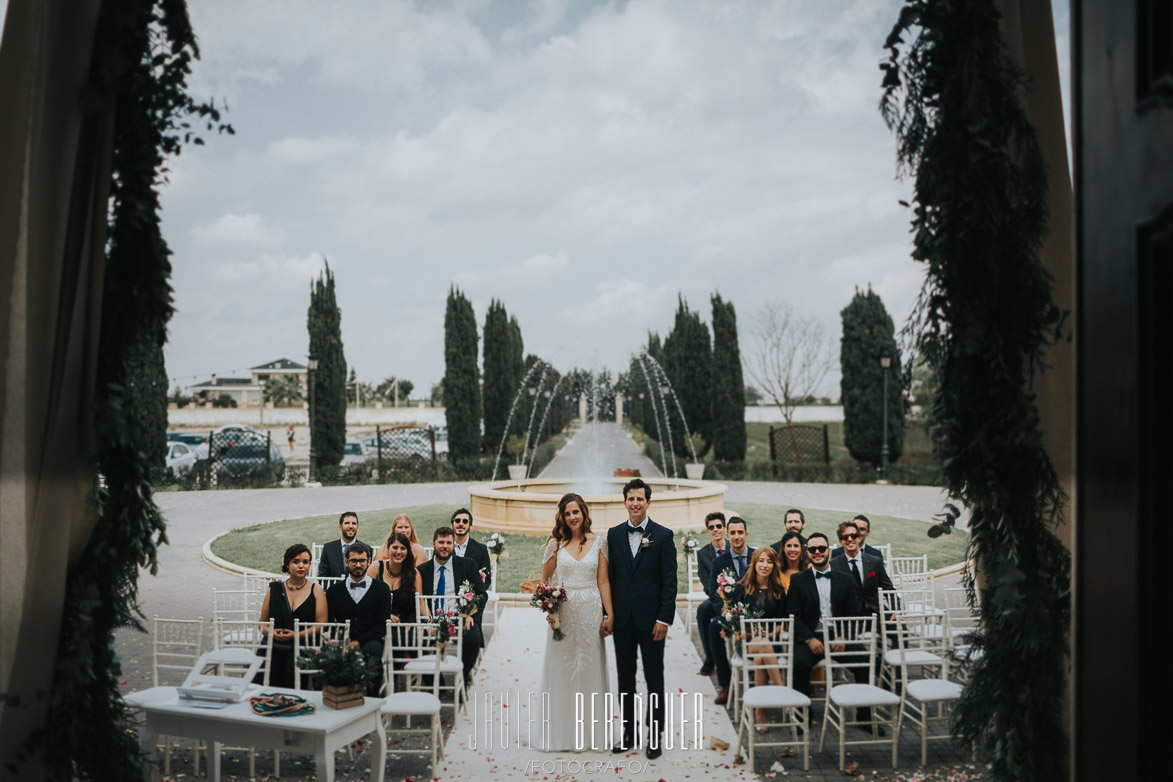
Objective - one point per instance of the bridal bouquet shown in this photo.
(730, 621)
(549, 598)
(468, 602)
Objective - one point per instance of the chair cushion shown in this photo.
(856, 695)
(912, 656)
(493, 596)
(771, 696)
(410, 703)
(697, 597)
(427, 663)
(933, 690)
(967, 653)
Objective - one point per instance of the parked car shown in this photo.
(180, 457)
(193, 440)
(354, 452)
(250, 457)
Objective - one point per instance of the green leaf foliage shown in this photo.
(983, 320)
(868, 334)
(728, 387)
(462, 393)
(137, 83)
(324, 321)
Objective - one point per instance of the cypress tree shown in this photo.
(688, 362)
(520, 367)
(728, 386)
(500, 385)
(868, 333)
(462, 394)
(324, 322)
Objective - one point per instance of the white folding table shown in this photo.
(319, 734)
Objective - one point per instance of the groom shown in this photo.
(642, 570)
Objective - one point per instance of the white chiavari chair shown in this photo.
(767, 645)
(409, 642)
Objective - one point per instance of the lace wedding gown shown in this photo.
(577, 663)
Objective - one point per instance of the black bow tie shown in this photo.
(634, 530)
(358, 584)
(825, 574)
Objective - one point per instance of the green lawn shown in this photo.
(261, 546)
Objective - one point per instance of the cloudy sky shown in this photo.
(585, 162)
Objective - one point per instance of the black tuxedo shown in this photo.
(874, 578)
(643, 593)
(463, 569)
(368, 617)
(839, 552)
(803, 602)
(716, 644)
(705, 612)
(333, 561)
(479, 553)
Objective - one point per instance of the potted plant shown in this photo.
(516, 446)
(696, 470)
(344, 672)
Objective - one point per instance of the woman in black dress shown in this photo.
(400, 574)
(294, 598)
(761, 587)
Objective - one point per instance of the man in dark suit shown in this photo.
(735, 558)
(865, 528)
(333, 561)
(866, 570)
(468, 548)
(814, 593)
(442, 575)
(715, 525)
(642, 572)
(792, 521)
(365, 601)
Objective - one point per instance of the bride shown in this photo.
(578, 663)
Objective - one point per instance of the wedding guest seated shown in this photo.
(333, 561)
(864, 527)
(760, 588)
(399, 573)
(294, 598)
(792, 521)
(735, 558)
(794, 558)
(465, 546)
(715, 526)
(442, 575)
(364, 601)
(402, 524)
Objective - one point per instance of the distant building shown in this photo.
(247, 391)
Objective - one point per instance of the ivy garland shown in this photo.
(983, 321)
(142, 58)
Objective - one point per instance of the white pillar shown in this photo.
(618, 408)
(582, 408)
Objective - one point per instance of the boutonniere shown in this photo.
(872, 574)
(647, 541)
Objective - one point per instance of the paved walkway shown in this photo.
(598, 449)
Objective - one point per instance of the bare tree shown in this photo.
(789, 356)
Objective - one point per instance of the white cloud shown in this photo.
(304, 151)
(270, 268)
(236, 230)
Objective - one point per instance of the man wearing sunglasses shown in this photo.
(865, 529)
(866, 570)
(715, 526)
(815, 593)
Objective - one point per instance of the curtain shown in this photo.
(54, 182)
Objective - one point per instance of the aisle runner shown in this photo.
(497, 721)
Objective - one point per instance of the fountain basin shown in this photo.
(528, 506)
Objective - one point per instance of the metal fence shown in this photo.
(405, 444)
(244, 454)
(806, 444)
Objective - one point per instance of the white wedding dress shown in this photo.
(578, 663)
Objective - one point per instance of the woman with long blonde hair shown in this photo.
(403, 525)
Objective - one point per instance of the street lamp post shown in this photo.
(313, 368)
(885, 362)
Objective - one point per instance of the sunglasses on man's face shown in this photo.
(849, 536)
(816, 549)
(716, 526)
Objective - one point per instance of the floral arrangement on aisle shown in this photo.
(495, 543)
(341, 664)
(689, 546)
(549, 599)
